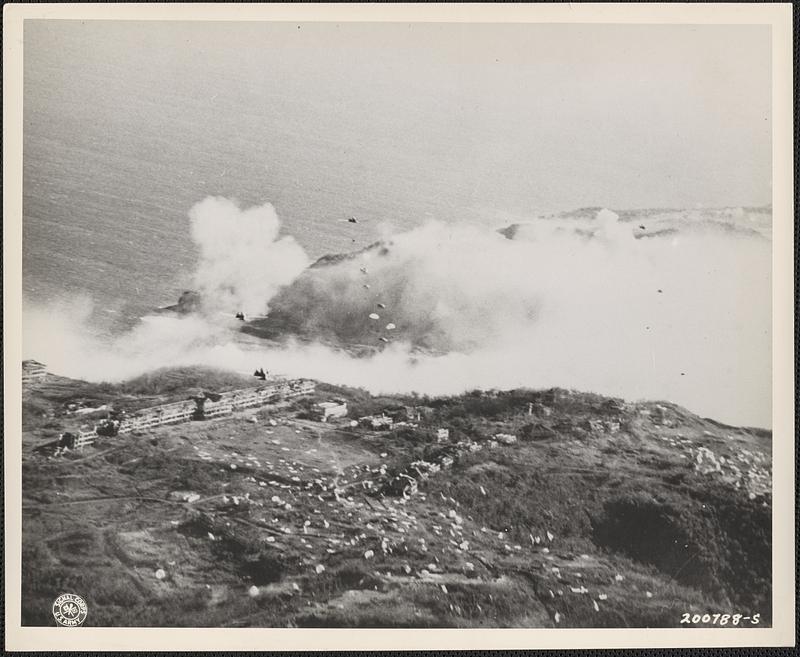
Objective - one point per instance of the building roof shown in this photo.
(330, 404)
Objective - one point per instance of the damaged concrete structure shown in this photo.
(331, 409)
(206, 406)
(376, 421)
(33, 372)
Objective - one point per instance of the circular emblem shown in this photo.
(70, 610)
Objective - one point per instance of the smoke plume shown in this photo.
(674, 308)
(243, 262)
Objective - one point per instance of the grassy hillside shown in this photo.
(602, 514)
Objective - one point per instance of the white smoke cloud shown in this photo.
(62, 336)
(243, 262)
(580, 304)
(685, 317)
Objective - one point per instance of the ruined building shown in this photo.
(33, 372)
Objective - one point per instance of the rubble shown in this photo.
(183, 496)
(324, 500)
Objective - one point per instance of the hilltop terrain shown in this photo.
(540, 509)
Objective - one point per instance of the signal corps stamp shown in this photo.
(70, 610)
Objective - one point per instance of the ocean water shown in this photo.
(120, 142)
(127, 127)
